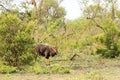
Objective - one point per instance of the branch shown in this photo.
(35, 7)
(74, 56)
(68, 35)
(4, 7)
(98, 25)
(59, 60)
(41, 3)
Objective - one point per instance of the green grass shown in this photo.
(85, 67)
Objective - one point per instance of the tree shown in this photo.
(105, 18)
(16, 40)
(35, 7)
(7, 6)
(48, 13)
(110, 40)
(48, 10)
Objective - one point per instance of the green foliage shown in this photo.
(93, 10)
(111, 41)
(71, 37)
(7, 69)
(16, 40)
(56, 68)
(49, 13)
(118, 14)
(52, 10)
(65, 71)
(94, 75)
(42, 68)
(87, 42)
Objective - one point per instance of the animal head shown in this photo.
(53, 51)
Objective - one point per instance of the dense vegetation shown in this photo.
(96, 32)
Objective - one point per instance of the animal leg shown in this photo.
(47, 61)
(35, 57)
(47, 58)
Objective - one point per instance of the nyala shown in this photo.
(45, 51)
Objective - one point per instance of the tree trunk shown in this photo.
(35, 8)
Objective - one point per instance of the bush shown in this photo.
(108, 53)
(57, 68)
(44, 69)
(110, 40)
(7, 69)
(16, 40)
(41, 70)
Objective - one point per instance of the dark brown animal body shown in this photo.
(45, 51)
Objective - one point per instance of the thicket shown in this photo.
(94, 33)
(16, 40)
(110, 40)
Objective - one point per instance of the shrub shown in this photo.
(41, 70)
(111, 41)
(16, 40)
(7, 69)
(57, 68)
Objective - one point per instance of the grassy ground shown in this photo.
(82, 68)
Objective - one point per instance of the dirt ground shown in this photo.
(112, 73)
(108, 74)
(99, 69)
